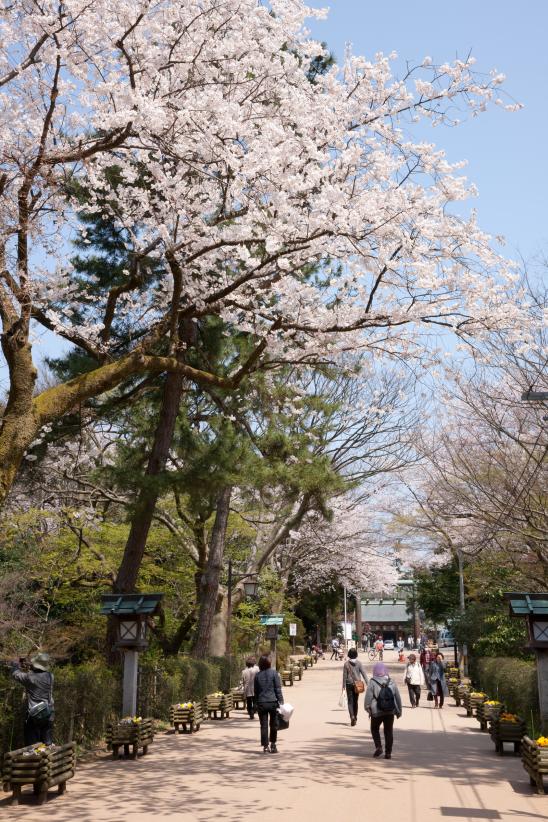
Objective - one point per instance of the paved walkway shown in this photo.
(443, 767)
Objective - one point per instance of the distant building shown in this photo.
(389, 614)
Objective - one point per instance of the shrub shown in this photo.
(514, 682)
(166, 681)
(86, 696)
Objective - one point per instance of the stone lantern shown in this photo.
(131, 613)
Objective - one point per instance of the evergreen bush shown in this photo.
(87, 696)
(514, 682)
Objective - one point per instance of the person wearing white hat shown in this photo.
(38, 685)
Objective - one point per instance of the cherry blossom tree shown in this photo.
(302, 214)
(480, 487)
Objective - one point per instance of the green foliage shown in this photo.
(312, 608)
(166, 681)
(514, 682)
(490, 632)
(437, 592)
(86, 697)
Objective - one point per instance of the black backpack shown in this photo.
(386, 704)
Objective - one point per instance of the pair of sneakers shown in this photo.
(272, 749)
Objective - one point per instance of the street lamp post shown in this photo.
(250, 590)
(345, 623)
(463, 665)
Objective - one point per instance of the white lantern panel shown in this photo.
(540, 631)
(129, 630)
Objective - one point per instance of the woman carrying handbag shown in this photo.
(354, 681)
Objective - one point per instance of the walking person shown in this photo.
(379, 647)
(354, 677)
(365, 641)
(335, 646)
(268, 696)
(437, 681)
(248, 684)
(383, 702)
(414, 679)
(38, 685)
(410, 642)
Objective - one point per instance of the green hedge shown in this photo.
(87, 696)
(514, 682)
(163, 682)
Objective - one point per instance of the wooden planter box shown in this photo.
(287, 677)
(186, 720)
(297, 672)
(535, 762)
(459, 694)
(471, 702)
(238, 699)
(128, 735)
(485, 713)
(503, 731)
(452, 673)
(218, 707)
(43, 769)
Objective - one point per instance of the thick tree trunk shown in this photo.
(128, 572)
(219, 627)
(20, 423)
(126, 579)
(171, 645)
(209, 583)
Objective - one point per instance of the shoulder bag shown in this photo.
(42, 712)
(358, 684)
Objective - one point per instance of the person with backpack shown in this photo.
(38, 685)
(383, 703)
(353, 681)
(268, 696)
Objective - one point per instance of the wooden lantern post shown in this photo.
(534, 607)
(132, 612)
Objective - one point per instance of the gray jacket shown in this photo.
(373, 691)
(436, 673)
(248, 680)
(355, 668)
(38, 686)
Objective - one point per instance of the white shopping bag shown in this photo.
(286, 710)
(343, 699)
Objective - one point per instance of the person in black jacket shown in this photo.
(268, 695)
(38, 685)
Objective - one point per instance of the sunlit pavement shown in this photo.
(443, 768)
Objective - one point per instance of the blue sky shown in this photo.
(506, 152)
